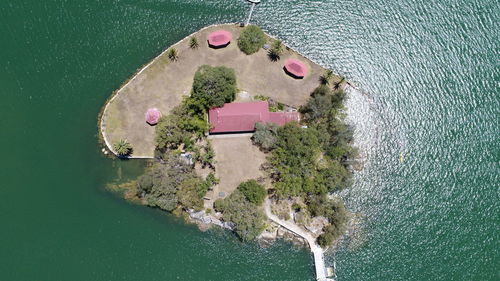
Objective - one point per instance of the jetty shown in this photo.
(254, 2)
(317, 251)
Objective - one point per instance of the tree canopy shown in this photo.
(251, 39)
(254, 192)
(213, 86)
(248, 219)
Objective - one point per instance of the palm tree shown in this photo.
(172, 54)
(193, 43)
(122, 148)
(275, 51)
(325, 78)
(338, 83)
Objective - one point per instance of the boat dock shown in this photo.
(319, 259)
(254, 2)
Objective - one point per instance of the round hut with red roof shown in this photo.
(219, 39)
(295, 68)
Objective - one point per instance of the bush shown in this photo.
(213, 86)
(251, 39)
(265, 135)
(122, 148)
(254, 192)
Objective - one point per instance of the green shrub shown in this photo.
(254, 192)
(122, 148)
(251, 39)
(213, 86)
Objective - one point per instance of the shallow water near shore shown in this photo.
(429, 79)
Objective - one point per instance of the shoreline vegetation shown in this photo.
(303, 163)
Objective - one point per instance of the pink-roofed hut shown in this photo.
(295, 68)
(153, 116)
(219, 39)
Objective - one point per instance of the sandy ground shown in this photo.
(238, 160)
(163, 83)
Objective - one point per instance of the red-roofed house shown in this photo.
(238, 117)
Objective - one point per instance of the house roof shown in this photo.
(219, 38)
(242, 116)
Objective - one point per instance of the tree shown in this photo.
(193, 42)
(248, 220)
(275, 51)
(213, 86)
(251, 39)
(337, 84)
(172, 54)
(254, 192)
(292, 164)
(159, 186)
(325, 78)
(265, 135)
(169, 134)
(122, 148)
(190, 193)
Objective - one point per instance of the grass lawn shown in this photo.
(162, 84)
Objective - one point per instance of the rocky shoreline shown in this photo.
(272, 232)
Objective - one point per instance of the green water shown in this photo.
(429, 74)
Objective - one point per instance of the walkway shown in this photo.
(319, 261)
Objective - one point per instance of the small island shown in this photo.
(243, 132)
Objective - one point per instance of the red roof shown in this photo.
(219, 38)
(296, 68)
(152, 116)
(242, 116)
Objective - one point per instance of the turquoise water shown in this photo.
(429, 77)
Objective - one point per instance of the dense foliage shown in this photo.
(312, 161)
(251, 39)
(248, 219)
(334, 211)
(122, 148)
(265, 135)
(254, 192)
(212, 87)
(172, 183)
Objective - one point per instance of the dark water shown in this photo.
(429, 74)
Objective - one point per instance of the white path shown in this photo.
(319, 260)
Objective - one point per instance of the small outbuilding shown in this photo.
(295, 68)
(219, 39)
(153, 116)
